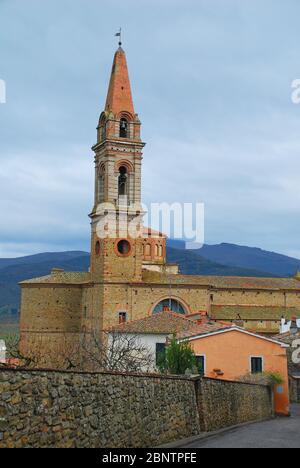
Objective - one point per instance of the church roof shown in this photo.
(252, 312)
(224, 282)
(119, 97)
(62, 277)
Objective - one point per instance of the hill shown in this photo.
(220, 262)
(191, 263)
(250, 257)
(15, 270)
(232, 255)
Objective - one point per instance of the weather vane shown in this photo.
(119, 34)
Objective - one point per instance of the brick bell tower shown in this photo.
(117, 217)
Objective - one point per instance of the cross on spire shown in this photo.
(119, 35)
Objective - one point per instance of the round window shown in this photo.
(124, 247)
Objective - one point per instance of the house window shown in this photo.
(160, 352)
(256, 365)
(122, 317)
(200, 360)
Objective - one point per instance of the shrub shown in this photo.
(177, 359)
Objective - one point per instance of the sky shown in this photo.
(211, 82)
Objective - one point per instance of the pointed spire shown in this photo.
(119, 97)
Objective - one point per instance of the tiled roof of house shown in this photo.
(61, 277)
(162, 323)
(287, 338)
(224, 282)
(218, 329)
(204, 329)
(167, 323)
(253, 312)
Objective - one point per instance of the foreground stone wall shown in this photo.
(223, 404)
(64, 409)
(294, 390)
(51, 409)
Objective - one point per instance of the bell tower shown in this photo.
(117, 217)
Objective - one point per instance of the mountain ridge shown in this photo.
(217, 260)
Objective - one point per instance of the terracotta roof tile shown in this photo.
(162, 323)
(168, 323)
(61, 278)
(204, 329)
(225, 282)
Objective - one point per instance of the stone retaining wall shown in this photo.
(67, 409)
(223, 403)
(47, 409)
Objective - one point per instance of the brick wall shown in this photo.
(64, 409)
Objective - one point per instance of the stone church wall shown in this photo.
(51, 318)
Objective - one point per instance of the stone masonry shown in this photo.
(64, 409)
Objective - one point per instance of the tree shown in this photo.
(66, 358)
(13, 355)
(178, 358)
(116, 352)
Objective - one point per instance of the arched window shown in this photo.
(123, 128)
(102, 128)
(171, 305)
(97, 248)
(160, 252)
(103, 131)
(122, 183)
(147, 250)
(156, 250)
(101, 183)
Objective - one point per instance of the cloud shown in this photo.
(212, 83)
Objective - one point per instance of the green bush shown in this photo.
(177, 359)
(266, 378)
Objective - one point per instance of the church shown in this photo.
(129, 277)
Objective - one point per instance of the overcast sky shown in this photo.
(211, 82)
